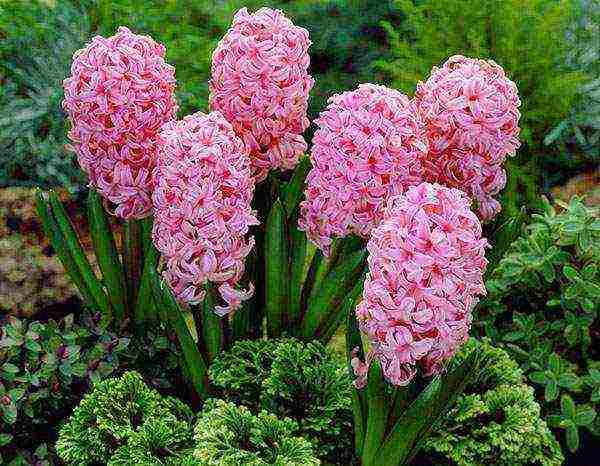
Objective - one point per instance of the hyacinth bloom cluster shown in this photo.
(367, 148)
(260, 83)
(202, 208)
(119, 94)
(426, 265)
(470, 109)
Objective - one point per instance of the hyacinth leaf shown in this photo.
(324, 266)
(241, 322)
(293, 191)
(194, 362)
(132, 257)
(303, 252)
(377, 412)
(332, 292)
(57, 241)
(72, 243)
(409, 431)
(276, 270)
(212, 324)
(337, 317)
(106, 254)
(359, 403)
(144, 306)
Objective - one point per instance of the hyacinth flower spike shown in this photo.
(426, 265)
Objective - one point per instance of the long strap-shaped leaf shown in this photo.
(377, 412)
(413, 426)
(359, 400)
(71, 241)
(334, 287)
(338, 315)
(292, 192)
(58, 244)
(107, 255)
(145, 305)
(212, 324)
(132, 257)
(302, 254)
(276, 271)
(194, 361)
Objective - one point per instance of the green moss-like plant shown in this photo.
(292, 379)
(496, 420)
(230, 435)
(122, 421)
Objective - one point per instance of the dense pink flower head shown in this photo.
(368, 147)
(426, 265)
(119, 94)
(470, 109)
(202, 208)
(260, 83)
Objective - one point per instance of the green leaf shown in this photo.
(33, 345)
(145, 306)
(10, 368)
(571, 273)
(276, 271)
(334, 288)
(377, 413)
(5, 439)
(106, 254)
(359, 400)
(57, 241)
(572, 438)
(538, 377)
(551, 390)
(567, 406)
(16, 394)
(195, 364)
(412, 427)
(330, 326)
(569, 381)
(212, 324)
(585, 416)
(293, 191)
(75, 249)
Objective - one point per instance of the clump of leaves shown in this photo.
(230, 435)
(123, 421)
(43, 369)
(543, 303)
(288, 378)
(496, 420)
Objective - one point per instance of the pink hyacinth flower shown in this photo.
(260, 83)
(470, 109)
(119, 94)
(426, 265)
(202, 208)
(368, 147)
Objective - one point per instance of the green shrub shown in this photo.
(122, 421)
(230, 435)
(43, 368)
(542, 305)
(288, 378)
(496, 420)
(38, 41)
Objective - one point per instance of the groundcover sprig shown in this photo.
(218, 241)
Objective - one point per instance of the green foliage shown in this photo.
(579, 134)
(230, 435)
(122, 421)
(496, 420)
(38, 41)
(292, 379)
(543, 303)
(527, 38)
(42, 367)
